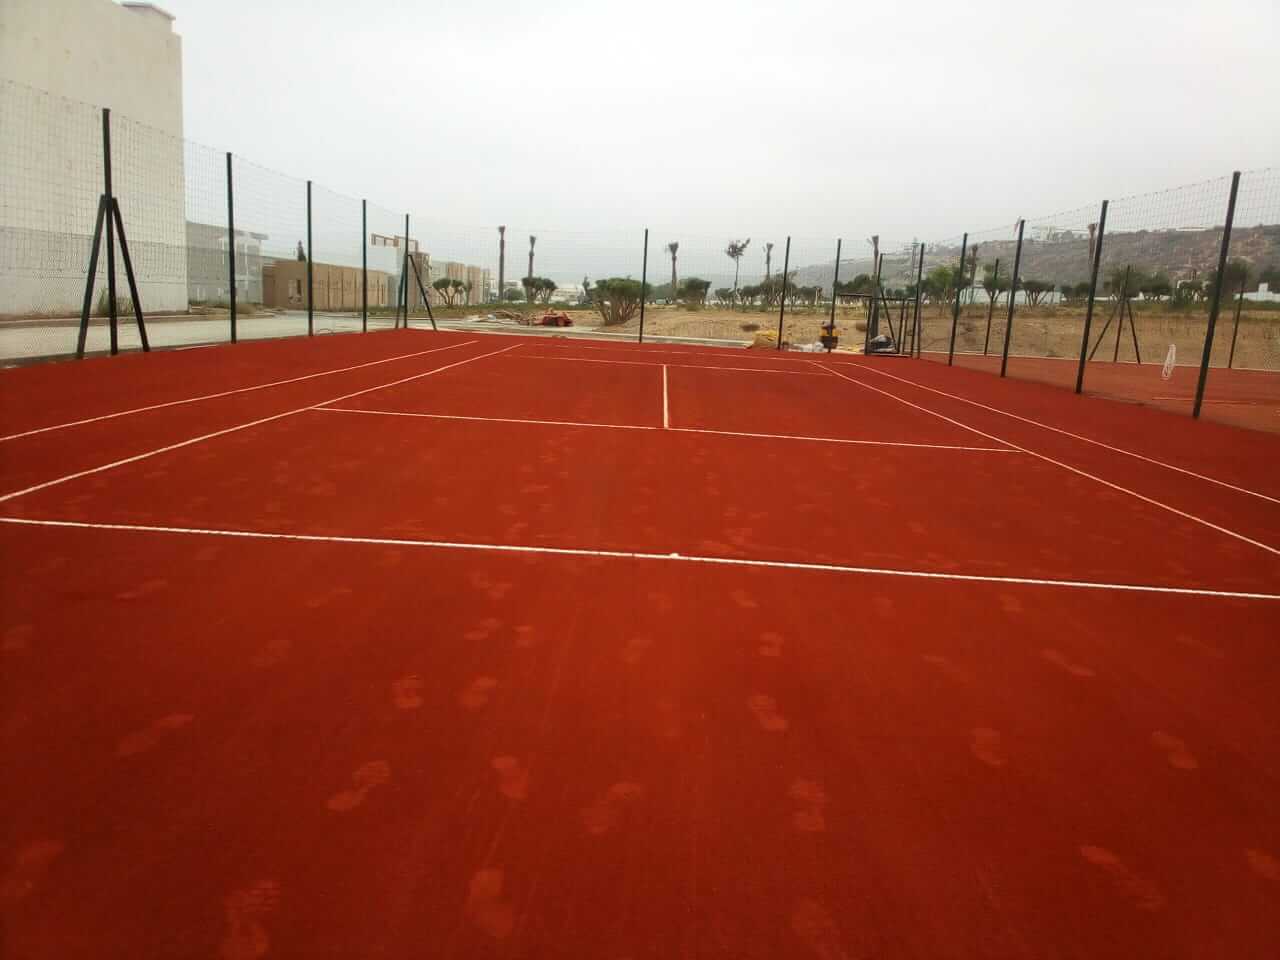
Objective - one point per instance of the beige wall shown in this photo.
(284, 285)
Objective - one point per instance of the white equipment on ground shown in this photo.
(1170, 361)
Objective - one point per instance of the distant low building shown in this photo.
(284, 285)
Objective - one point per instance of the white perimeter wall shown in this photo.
(88, 54)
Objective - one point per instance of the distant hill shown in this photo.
(1182, 254)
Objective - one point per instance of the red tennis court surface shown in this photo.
(416, 644)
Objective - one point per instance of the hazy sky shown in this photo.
(814, 118)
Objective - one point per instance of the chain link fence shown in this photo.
(1114, 299)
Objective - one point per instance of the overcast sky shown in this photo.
(814, 118)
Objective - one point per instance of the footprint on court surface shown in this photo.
(1263, 864)
(31, 863)
(145, 739)
(1203, 646)
(486, 907)
(246, 938)
(1059, 660)
(367, 776)
(635, 649)
(770, 644)
(274, 652)
(1175, 749)
(744, 599)
(17, 639)
(475, 695)
(987, 745)
(144, 589)
(513, 777)
(812, 801)
(483, 630)
(1127, 883)
(603, 815)
(765, 709)
(406, 692)
(660, 602)
(1010, 604)
(812, 923)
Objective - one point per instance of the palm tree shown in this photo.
(502, 260)
(768, 259)
(672, 247)
(734, 251)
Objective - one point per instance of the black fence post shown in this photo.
(1093, 291)
(364, 266)
(782, 301)
(404, 280)
(835, 282)
(991, 305)
(231, 248)
(955, 310)
(111, 231)
(1216, 302)
(311, 300)
(1235, 327)
(919, 282)
(644, 274)
(1124, 300)
(1013, 297)
(90, 277)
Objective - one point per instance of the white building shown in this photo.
(60, 61)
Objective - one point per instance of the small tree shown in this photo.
(546, 287)
(993, 284)
(444, 287)
(749, 294)
(1157, 287)
(618, 299)
(694, 290)
(1271, 277)
(725, 295)
(1036, 290)
(530, 284)
(1237, 278)
(459, 287)
(513, 295)
(734, 252)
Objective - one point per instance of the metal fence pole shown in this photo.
(991, 305)
(231, 248)
(835, 282)
(644, 274)
(1124, 299)
(782, 308)
(111, 231)
(364, 266)
(1235, 327)
(955, 311)
(1013, 297)
(311, 300)
(1093, 291)
(1216, 302)
(919, 282)
(404, 283)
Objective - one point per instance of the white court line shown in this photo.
(453, 416)
(242, 426)
(1074, 436)
(227, 393)
(738, 346)
(1067, 466)
(687, 366)
(638, 555)
(666, 404)
(632, 426)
